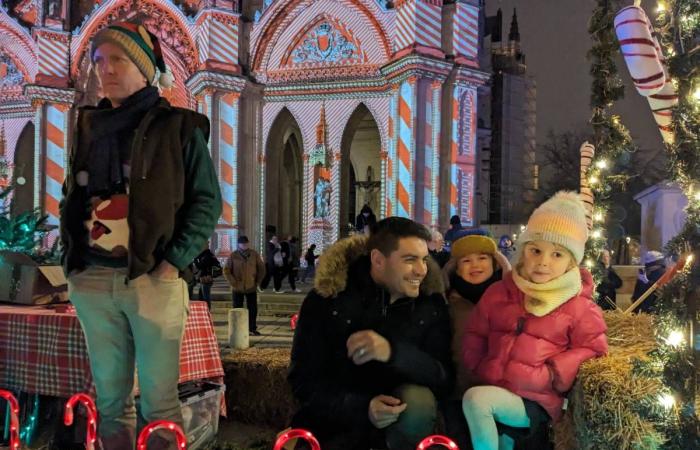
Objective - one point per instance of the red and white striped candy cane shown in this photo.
(437, 439)
(297, 433)
(661, 105)
(587, 153)
(639, 47)
(68, 416)
(161, 425)
(14, 418)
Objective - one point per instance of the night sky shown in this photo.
(555, 40)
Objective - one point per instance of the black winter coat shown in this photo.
(610, 281)
(333, 392)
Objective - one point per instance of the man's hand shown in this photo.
(166, 271)
(385, 410)
(364, 346)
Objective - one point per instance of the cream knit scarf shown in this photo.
(541, 299)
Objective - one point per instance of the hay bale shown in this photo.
(256, 386)
(606, 397)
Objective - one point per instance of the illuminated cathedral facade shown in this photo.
(317, 107)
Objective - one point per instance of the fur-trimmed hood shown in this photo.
(333, 265)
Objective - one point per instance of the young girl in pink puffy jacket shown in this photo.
(530, 332)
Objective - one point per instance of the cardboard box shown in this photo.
(24, 281)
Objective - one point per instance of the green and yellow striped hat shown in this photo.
(140, 45)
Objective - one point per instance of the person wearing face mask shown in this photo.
(244, 270)
(529, 334)
(365, 220)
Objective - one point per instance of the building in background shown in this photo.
(316, 107)
(508, 179)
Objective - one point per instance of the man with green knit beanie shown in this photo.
(124, 251)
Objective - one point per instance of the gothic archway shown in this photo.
(360, 177)
(284, 176)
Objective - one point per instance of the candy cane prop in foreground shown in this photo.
(294, 434)
(161, 425)
(437, 439)
(68, 416)
(14, 418)
(587, 153)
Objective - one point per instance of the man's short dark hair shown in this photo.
(455, 220)
(385, 234)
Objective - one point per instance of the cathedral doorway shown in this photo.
(284, 177)
(360, 168)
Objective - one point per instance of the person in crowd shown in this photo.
(436, 248)
(654, 267)
(610, 281)
(365, 220)
(207, 268)
(124, 252)
(290, 247)
(244, 271)
(475, 264)
(310, 258)
(371, 352)
(505, 246)
(453, 233)
(528, 335)
(274, 265)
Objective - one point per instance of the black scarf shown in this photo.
(472, 292)
(111, 131)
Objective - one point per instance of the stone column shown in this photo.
(53, 135)
(218, 97)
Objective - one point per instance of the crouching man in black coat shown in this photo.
(371, 353)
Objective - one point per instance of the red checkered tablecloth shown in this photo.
(44, 352)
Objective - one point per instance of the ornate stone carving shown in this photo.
(325, 43)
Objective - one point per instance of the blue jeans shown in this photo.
(205, 293)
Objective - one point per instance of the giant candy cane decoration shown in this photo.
(587, 152)
(661, 105)
(14, 418)
(640, 49)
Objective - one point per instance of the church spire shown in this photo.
(514, 34)
(497, 25)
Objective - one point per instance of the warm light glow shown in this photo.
(675, 339)
(628, 239)
(598, 217)
(515, 236)
(593, 179)
(661, 7)
(602, 164)
(696, 93)
(689, 259)
(522, 228)
(667, 400)
(697, 196)
(589, 263)
(596, 234)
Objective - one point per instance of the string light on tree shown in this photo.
(676, 338)
(668, 401)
